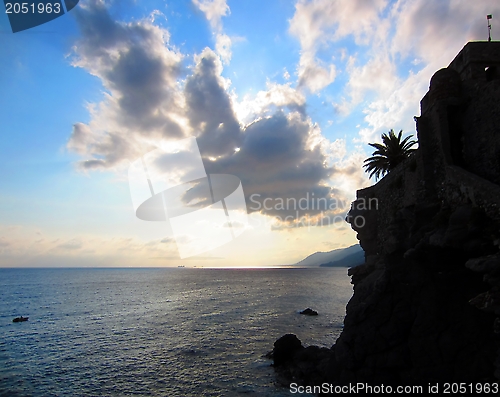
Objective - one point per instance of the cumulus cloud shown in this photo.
(139, 72)
(317, 23)
(223, 47)
(427, 35)
(390, 35)
(313, 75)
(378, 75)
(265, 102)
(277, 162)
(436, 31)
(214, 10)
(273, 146)
(209, 107)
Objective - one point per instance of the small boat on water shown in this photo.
(20, 319)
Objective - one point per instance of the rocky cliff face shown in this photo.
(426, 303)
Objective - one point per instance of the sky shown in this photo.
(283, 95)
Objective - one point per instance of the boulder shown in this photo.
(309, 312)
(285, 348)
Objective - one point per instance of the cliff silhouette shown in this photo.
(426, 303)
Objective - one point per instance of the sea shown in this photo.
(159, 331)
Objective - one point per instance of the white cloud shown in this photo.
(319, 23)
(223, 47)
(25, 247)
(313, 75)
(73, 244)
(349, 176)
(281, 151)
(209, 107)
(378, 75)
(387, 37)
(139, 71)
(428, 35)
(214, 10)
(286, 75)
(276, 95)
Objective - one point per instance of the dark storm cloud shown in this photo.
(275, 148)
(143, 81)
(140, 74)
(273, 160)
(274, 163)
(209, 108)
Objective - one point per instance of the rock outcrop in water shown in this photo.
(426, 303)
(309, 312)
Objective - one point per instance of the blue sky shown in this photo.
(299, 88)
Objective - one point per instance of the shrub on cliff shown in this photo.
(391, 152)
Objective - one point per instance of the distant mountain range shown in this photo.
(354, 259)
(343, 257)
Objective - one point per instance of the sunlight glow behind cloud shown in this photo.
(286, 125)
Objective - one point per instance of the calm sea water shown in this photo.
(159, 332)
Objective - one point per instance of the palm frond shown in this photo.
(388, 154)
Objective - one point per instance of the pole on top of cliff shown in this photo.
(488, 18)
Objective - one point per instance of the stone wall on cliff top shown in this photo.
(426, 303)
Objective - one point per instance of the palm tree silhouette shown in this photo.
(389, 154)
